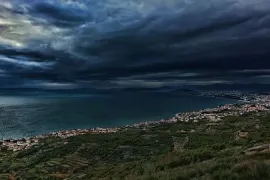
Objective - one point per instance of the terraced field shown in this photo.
(234, 148)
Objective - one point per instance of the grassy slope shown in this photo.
(201, 150)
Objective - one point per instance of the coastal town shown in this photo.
(260, 103)
(26, 143)
(233, 94)
(213, 115)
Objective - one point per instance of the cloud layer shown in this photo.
(133, 43)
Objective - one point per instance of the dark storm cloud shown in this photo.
(58, 14)
(38, 55)
(118, 43)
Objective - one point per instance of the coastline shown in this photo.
(54, 114)
(261, 104)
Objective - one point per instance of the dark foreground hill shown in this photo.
(235, 148)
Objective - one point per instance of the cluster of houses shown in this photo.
(18, 144)
(211, 114)
(76, 132)
(26, 143)
(214, 114)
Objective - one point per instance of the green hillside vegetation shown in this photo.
(235, 148)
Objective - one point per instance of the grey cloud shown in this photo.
(110, 40)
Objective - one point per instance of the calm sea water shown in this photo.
(22, 116)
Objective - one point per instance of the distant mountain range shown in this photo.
(172, 89)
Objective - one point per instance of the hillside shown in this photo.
(234, 148)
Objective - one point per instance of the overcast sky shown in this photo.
(133, 43)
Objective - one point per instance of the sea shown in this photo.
(30, 115)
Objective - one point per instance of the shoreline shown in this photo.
(37, 124)
(209, 114)
(233, 101)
